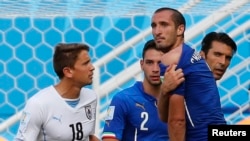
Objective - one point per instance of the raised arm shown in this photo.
(172, 79)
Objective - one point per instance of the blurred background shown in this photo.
(116, 31)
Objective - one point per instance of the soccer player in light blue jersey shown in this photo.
(194, 104)
(65, 111)
(132, 114)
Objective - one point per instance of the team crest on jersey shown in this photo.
(25, 118)
(88, 112)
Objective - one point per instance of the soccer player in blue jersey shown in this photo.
(218, 49)
(195, 103)
(132, 114)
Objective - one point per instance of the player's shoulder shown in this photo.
(43, 93)
(87, 92)
(133, 90)
(41, 96)
(132, 93)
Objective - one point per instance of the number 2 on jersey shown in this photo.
(144, 116)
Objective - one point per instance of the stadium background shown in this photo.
(116, 31)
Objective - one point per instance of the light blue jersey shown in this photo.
(132, 116)
(201, 95)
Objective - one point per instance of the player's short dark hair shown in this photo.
(220, 37)
(177, 16)
(150, 44)
(65, 55)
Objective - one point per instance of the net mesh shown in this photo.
(90, 8)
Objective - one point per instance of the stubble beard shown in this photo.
(164, 48)
(155, 84)
(151, 82)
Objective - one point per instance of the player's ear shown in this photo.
(180, 30)
(141, 64)
(67, 72)
(202, 54)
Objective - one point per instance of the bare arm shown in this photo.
(162, 105)
(176, 119)
(172, 79)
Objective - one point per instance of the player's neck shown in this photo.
(67, 90)
(172, 57)
(150, 89)
(179, 42)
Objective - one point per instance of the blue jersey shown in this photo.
(133, 116)
(201, 95)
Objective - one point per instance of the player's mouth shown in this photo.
(159, 39)
(155, 78)
(91, 76)
(219, 71)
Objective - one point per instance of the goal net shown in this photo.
(116, 32)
